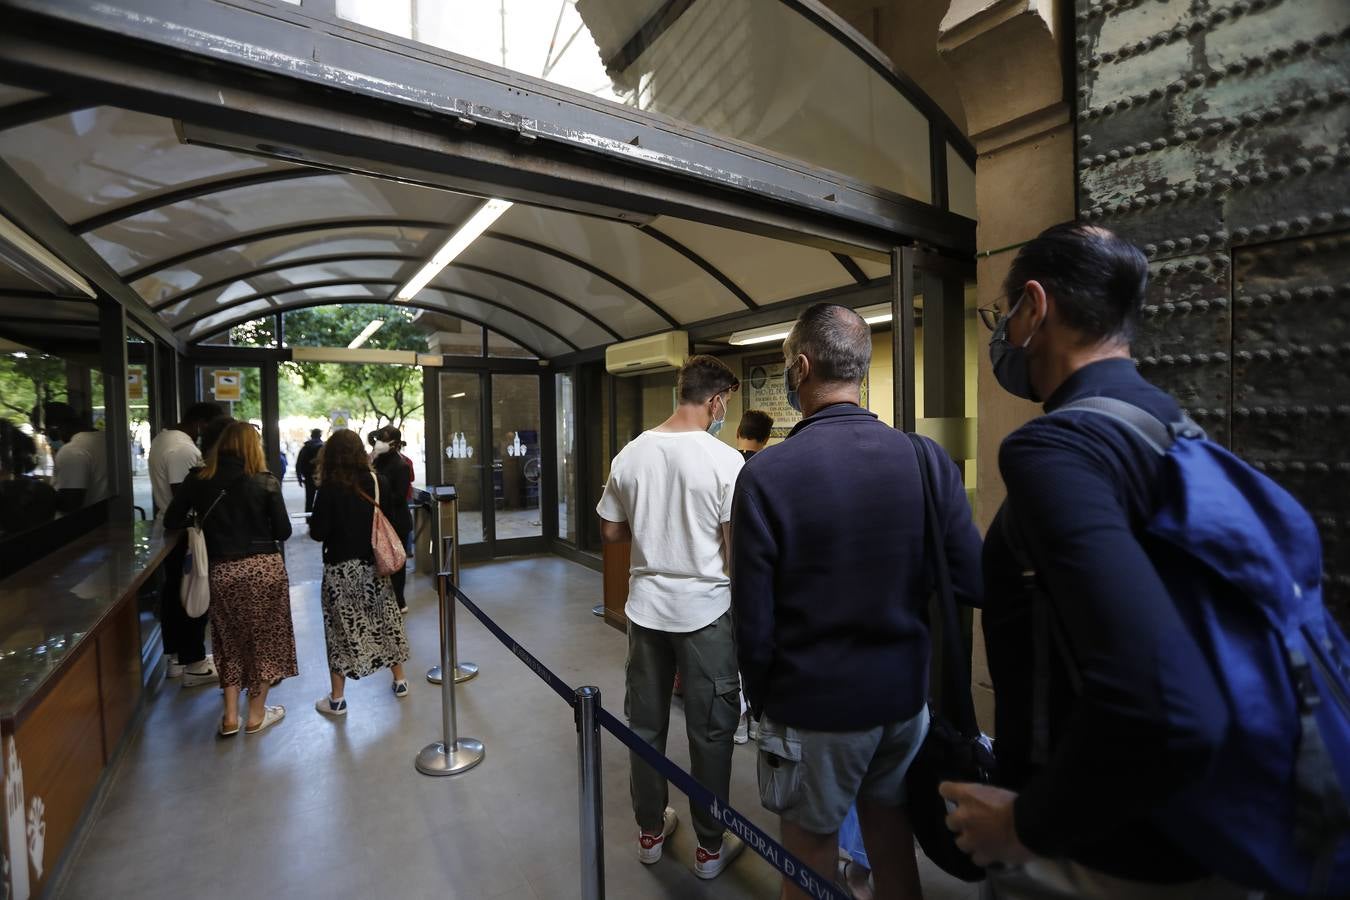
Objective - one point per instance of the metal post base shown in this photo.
(463, 672)
(433, 760)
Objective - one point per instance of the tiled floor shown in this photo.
(334, 809)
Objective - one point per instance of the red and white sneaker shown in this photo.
(651, 845)
(710, 864)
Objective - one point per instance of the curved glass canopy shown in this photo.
(212, 238)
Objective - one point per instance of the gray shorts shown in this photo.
(811, 778)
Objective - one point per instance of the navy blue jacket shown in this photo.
(1080, 487)
(828, 582)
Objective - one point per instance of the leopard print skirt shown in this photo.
(252, 636)
(361, 621)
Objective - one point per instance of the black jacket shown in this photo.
(249, 519)
(395, 471)
(1080, 488)
(306, 458)
(828, 578)
(342, 519)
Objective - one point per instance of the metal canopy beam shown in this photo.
(378, 301)
(191, 192)
(22, 204)
(382, 222)
(388, 257)
(404, 103)
(337, 301)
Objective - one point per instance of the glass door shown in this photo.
(463, 448)
(517, 465)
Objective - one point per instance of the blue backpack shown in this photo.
(1243, 562)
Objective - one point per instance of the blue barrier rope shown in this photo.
(774, 853)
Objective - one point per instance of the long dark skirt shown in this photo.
(251, 631)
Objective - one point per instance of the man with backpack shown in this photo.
(1170, 718)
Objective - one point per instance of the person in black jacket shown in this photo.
(305, 462)
(237, 504)
(362, 626)
(388, 461)
(1078, 797)
(830, 591)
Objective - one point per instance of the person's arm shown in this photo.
(179, 512)
(754, 564)
(962, 544)
(320, 518)
(614, 528)
(276, 511)
(1150, 716)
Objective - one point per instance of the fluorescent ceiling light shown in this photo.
(872, 315)
(365, 334)
(465, 235)
(457, 396)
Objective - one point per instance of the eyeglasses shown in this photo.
(991, 316)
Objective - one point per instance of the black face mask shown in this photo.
(1012, 366)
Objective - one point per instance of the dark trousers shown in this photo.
(310, 490)
(183, 635)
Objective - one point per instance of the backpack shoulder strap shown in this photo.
(1159, 436)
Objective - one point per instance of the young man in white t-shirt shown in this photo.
(669, 492)
(80, 467)
(174, 453)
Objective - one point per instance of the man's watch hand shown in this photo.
(981, 816)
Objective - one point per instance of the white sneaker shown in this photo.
(651, 845)
(330, 707)
(754, 728)
(175, 669)
(742, 735)
(206, 674)
(710, 864)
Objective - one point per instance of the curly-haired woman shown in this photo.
(237, 504)
(361, 621)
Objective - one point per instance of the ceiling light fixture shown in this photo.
(457, 396)
(872, 315)
(365, 334)
(465, 235)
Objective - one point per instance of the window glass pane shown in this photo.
(567, 456)
(51, 399)
(365, 325)
(237, 388)
(960, 185)
(461, 442)
(141, 418)
(753, 70)
(498, 345)
(453, 337)
(517, 469)
(255, 333)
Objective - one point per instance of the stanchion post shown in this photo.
(589, 794)
(452, 754)
(445, 556)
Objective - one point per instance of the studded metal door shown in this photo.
(1216, 135)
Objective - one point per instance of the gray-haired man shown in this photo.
(829, 585)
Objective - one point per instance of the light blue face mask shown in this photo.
(715, 428)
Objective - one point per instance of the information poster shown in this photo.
(228, 385)
(135, 384)
(762, 387)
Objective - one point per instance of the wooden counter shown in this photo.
(70, 682)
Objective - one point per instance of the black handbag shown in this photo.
(952, 751)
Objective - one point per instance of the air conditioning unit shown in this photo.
(658, 353)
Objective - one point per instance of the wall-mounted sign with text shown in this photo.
(227, 385)
(762, 387)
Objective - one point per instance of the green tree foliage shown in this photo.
(27, 378)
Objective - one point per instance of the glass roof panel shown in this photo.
(671, 280)
(498, 320)
(240, 260)
(873, 269)
(96, 159)
(754, 70)
(576, 327)
(169, 230)
(611, 304)
(9, 95)
(284, 280)
(179, 314)
(768, 270)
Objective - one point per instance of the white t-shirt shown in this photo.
(674, 490)
(82, 464)
(172, 455)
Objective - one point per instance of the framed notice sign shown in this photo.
(762, 387)
(135, 384)
(228, 384)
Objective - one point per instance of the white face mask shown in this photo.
(381, 447)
